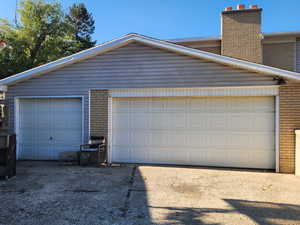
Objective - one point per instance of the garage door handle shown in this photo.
(51, 138)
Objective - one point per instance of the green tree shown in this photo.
(82, 25)
(42, 34)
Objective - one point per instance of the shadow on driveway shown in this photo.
(267, 213)
(262, 213)
(64, 194)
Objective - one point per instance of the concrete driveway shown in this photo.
(60, 193)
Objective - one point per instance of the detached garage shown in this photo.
(159, 103)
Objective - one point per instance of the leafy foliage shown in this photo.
(43, 34)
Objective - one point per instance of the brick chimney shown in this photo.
(241, 33)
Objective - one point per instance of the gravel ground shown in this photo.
(65, 194)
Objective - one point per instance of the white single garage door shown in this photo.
(212, 131)
(49, 127)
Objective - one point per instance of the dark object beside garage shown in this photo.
(95, 152)
(7, 156)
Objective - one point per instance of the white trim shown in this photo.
(185, 92)
(277, 133)
(297, 152)
(17, 114)
(117, 43)
(89, 119)
(17, 125)
(110, 134)
(296, 56)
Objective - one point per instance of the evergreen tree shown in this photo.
(82, 25)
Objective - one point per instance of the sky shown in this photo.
(167, 19)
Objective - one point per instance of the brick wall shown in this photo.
(241, 35)
(99, 113)
(280, 55)
(289, 121)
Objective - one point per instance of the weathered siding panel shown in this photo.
(279, 55)
(214, 47)
(133, 66)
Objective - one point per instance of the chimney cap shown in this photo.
(228, 8)
(253, 7)
(240, 7)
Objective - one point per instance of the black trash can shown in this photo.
(7, 155)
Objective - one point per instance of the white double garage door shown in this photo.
(212, 131)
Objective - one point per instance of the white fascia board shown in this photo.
(108, 46)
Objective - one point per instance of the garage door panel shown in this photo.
(122, 105)
(121, 137)
(67, 125)
(157, 121)
(211, 131)
(159, 155)
(176, 139)
(156, 105)
(140, 138)
(60, 135)
(138, 121)
(172, 106)
(251, 122)
(159, 138)
(207, 105)
(121, 153)
(138, 106)
(121, 121)
(137, 155)
(208, 121)
(176, 120)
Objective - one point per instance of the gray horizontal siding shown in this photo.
(133, 66)
(298, 55)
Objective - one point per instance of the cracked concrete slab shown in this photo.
(65, 194)
(175, 195)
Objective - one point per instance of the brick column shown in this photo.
(289, 121)
(99, 113)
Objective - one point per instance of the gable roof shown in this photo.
(132, 37)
